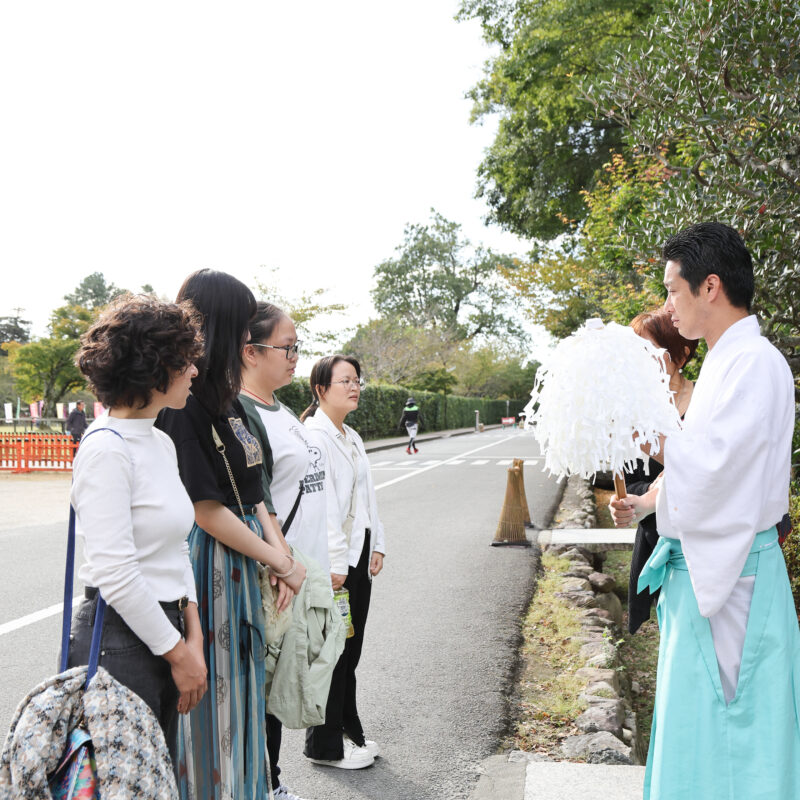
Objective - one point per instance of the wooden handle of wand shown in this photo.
(619, 487)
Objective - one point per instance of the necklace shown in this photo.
(257, 397)
(681, 392)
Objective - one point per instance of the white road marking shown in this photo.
(29, 619)
(498, 460)
(441, 463)
(51, 611)
(480, 462)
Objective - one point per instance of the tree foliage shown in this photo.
(392, 351)
(720, 80)
(14, 329)
(489, 371)
(592, 273)
(45, 370)
(439, 280)
(93, 292)
(419, 359)
(549, 144)
(309, 310)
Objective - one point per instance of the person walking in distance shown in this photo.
(412, 420)
(726, 722)
(76, 422)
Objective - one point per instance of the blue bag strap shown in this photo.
(69, 570)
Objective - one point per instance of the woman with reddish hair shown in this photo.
(657, 328)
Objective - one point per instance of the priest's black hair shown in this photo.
(712, 248)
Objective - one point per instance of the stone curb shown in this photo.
(609, 731)
(610, 735)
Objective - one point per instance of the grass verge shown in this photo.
(546, 704)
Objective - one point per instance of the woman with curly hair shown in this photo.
(132, 511)
(222, 752)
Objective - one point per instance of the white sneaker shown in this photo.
(370, 746)
(284, 793)
(354, 757)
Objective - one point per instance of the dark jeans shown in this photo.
(130, 661)
(341, 713)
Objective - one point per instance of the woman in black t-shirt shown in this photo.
(222, 749)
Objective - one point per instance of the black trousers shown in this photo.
(128, 659)
(274, 733)
(341, 712)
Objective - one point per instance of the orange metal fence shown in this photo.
(36, 451)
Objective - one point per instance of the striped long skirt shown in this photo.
(222, 742)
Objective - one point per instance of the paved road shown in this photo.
(443, 628)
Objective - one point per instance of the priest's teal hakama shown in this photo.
(701, 748)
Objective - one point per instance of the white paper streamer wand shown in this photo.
(602, 394)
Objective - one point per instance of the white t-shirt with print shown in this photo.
(295, 459)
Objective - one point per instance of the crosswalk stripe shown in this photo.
(407, 464)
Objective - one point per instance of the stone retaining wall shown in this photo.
(610, 734)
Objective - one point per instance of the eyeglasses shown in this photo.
(359, 383)
(292, 350)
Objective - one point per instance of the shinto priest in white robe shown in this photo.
(727, 711)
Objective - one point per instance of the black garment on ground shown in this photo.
(639, 604)
(76, 424)
(202, 468)
(341, 713)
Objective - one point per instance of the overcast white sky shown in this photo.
(145, 140)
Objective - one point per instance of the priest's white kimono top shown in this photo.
(726, 474)
(726, 718)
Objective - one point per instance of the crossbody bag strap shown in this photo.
(69, 571)
(220, 445)
(288, 523)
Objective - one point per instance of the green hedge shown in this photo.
(381, 407)
(791, 547)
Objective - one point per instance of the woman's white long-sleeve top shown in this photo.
(134, 515)
(340, 481)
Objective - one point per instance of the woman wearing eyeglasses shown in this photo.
(294, 474)
(355, 547)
